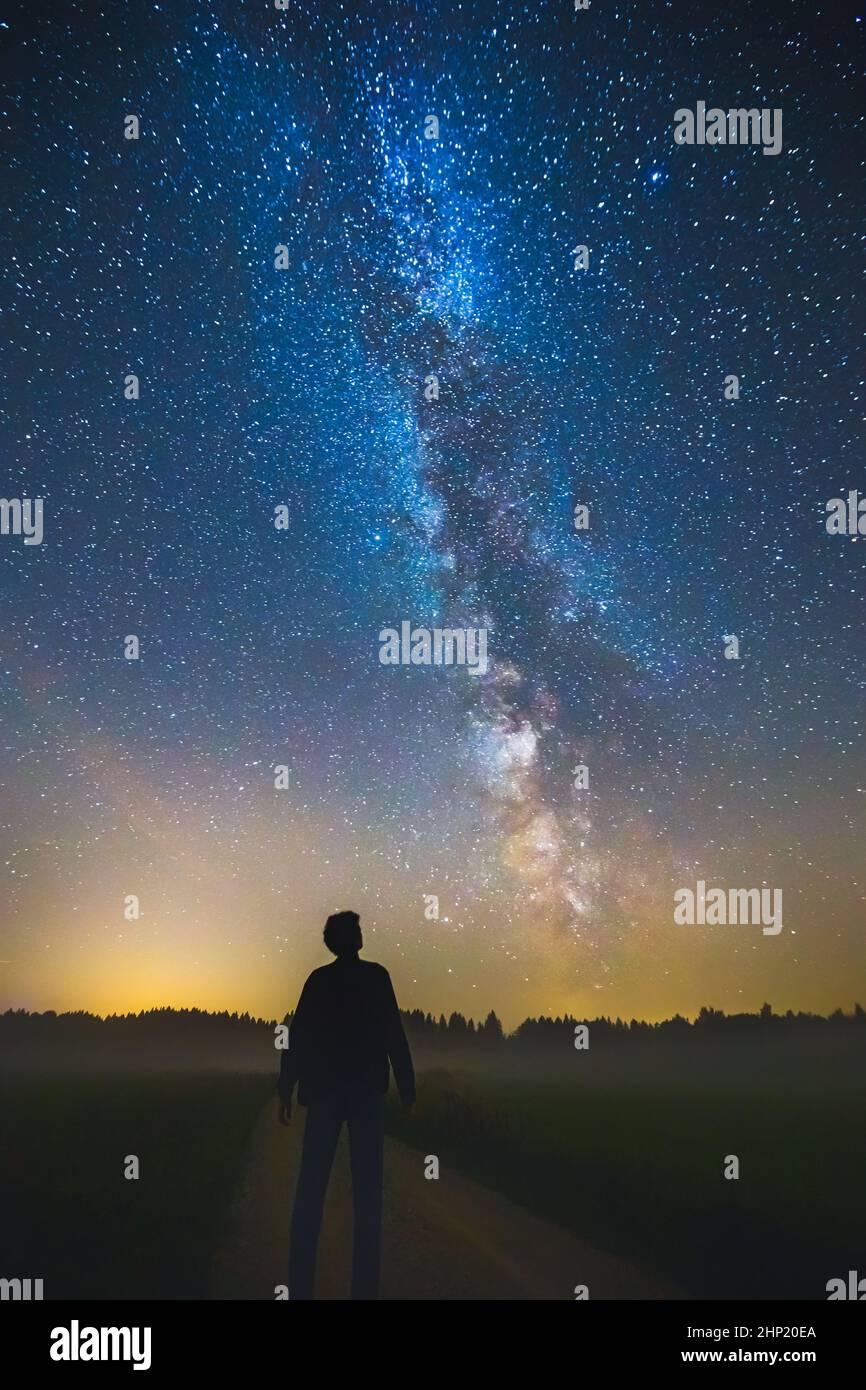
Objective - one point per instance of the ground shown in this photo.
(443, 1239)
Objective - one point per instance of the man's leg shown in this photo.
(321, 1132)
(365, 1144)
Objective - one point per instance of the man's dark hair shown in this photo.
(343, 933)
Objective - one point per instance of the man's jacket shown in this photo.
(345, 1032)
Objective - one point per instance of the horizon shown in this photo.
(856, 1011)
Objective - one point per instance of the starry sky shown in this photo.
(304, 388)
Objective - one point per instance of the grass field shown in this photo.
(637, 1169)
(71, 1218)
(631, 1163)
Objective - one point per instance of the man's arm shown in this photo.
(398, 1047)
(290, 1062)
(288, 1076)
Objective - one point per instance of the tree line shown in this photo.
(424, 1030)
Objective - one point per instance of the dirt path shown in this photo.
(445, 1239)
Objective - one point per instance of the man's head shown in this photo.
(343, 934)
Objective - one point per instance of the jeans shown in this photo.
(362, 1111)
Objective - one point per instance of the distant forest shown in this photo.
(167, 1025)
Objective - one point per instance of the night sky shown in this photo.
(305, 387)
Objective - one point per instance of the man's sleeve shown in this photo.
(398, 1047)
(290, 1062)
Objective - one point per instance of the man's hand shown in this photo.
(285, 1112)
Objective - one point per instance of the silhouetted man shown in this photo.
(345, 1031)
